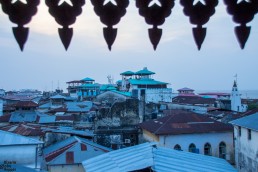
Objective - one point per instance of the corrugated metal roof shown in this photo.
(184, 122)
(58, 96)
(47, 119)
(79, 106)
(71, 130)
(172, 160)
(23, 116)
(7, 138)
(158, 158)
(56, 154)
(127, 159)
(249, 122)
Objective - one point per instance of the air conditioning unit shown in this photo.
(127, 141)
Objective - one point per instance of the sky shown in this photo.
(44, 64)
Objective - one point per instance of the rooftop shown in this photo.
(87, 79)
(184, 122)
(193, 100)
(7, 138)
(25, 104)
(158, 158)
(74, 149)
(144, 71)
(249, 122)
(185, 89)
(127, 73)
(145, 81)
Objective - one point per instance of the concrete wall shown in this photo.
(159, 95)
(21, 154)
(1, 107)
(246, 150)
(66, 168)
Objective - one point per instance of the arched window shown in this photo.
(177, 147)
(207, 149)
(192, 148)
(222, 150)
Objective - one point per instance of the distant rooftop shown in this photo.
(184, 122)
(215, 94)
(249, 122)
(87, 79)
(144, 71)
(145, 81)
(127, 73)
(185, 89)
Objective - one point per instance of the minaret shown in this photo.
(235, 98)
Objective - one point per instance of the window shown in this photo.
(207, 149)
(239, 131)
(249, 134)
(222, 150)
(192, 148)
(177, 147)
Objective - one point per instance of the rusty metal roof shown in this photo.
(184, 122)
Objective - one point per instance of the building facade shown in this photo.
(188, 131)
(144, 87)
(246, 139)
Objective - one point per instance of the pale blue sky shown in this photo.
(176, 59)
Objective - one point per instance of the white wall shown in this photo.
(246, 151)
(21, 154)
(184, 140)
(66, 168)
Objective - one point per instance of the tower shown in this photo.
(235, 99)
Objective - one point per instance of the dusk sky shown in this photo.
(177, 60)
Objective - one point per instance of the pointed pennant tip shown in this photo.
(110, 36)
(242, 34)
(155, 36)
(21, 36)
(199, 36)
(66, 35)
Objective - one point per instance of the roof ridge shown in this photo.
(172, 115)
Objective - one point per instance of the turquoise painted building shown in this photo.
(142, 85)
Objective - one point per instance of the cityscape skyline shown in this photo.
(44, 61)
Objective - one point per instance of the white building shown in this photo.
(236, 104)
(144, 87)
(246, 139)
(191, 132)
(20, 150)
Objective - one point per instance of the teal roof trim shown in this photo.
(89, 85)
(127, 73)
(87, 79)
(145, 71)
(145, 82)
(107, 87)
(127, 94)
